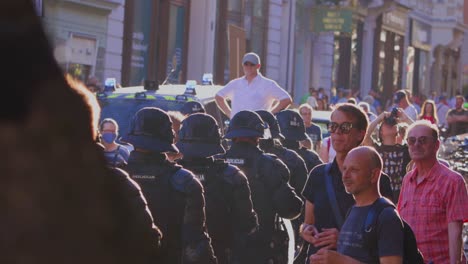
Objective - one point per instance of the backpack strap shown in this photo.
(370, 232)
(376, 208)
(332, 196)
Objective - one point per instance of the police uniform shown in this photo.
(229, 211)
(292, 127)
(175, 197)
(272, 195)
(297, 168)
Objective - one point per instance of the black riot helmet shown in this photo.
(200, 136)
(247, 124)
(291, 125)
(272, 122)
(192, 107)
(151, 129)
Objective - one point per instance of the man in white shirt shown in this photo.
(253, 91)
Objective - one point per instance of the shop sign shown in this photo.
(395, 21)
(82, 50)
(420, 35)
(328, 19)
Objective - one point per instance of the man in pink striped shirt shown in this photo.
(433, 198)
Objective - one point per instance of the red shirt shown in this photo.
(430, 118)
(429, 206)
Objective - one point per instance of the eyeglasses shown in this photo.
(344, 127)
(421, 140)
(249, 64)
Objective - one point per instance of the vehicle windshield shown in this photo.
(123, 109)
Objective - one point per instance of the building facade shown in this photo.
(359, 45)
(86, 36)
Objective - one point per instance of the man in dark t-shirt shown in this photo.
(312, 130)
(347, 127)
(361, 172)
(457, 118)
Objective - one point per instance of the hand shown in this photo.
(328, 238)
(309, 232)
(382, 116)
(325, 256)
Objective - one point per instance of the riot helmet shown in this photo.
(192, 107)
(291, 125)
(272, 122)
(199, 136)
(247, 124)
(151, 129)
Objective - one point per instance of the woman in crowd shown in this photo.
(429, 112)
(115, 153)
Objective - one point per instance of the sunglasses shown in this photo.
(344, 127)
(421, 140)
(249, 64)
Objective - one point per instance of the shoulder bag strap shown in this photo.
(332, 196)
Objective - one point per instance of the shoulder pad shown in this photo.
(183, 180)
(291, 157)
(270, 157)
(276, 170)
(233, 175)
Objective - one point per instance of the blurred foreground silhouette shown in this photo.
(60, 203)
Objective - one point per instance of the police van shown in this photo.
(122, 103)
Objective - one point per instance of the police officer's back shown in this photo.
(229, 211)
(296, 165)
(174, 195)
(293, 129)
(272, 195)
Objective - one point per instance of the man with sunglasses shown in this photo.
(253, 91)
(433, 198)
(326, 209)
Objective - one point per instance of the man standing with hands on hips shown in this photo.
(253, 91)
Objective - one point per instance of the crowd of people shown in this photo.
(73, 194)
(451, 116)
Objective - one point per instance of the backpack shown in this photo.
(411, 253)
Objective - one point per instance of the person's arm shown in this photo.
(368, 138)
(282, 104)
(402, 116)
(323, 152)
(328, 238)
(455, 241)
(223, 105)
(326, 256)
(391, 260)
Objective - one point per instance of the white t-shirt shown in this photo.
(411, 112)
(258, 95)
(312, 102)
(442, 110)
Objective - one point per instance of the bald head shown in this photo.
(367, 155)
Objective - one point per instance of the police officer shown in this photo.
(272, 195)
(293, 161)
(175, 197)
(229, 211)
(293, 129)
